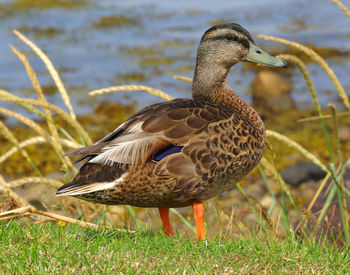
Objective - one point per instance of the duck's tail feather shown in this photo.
(72, 189)
(92, 177)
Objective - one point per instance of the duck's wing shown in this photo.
(154, 128)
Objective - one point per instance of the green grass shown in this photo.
(51, 249)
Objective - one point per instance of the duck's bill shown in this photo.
(261, 57)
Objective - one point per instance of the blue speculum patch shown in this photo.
(170, 149)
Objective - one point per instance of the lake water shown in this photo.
(156, 39)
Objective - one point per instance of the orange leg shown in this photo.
(164, 215)
(198, 214)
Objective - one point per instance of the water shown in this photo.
(163, 42)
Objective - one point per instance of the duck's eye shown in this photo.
(229, 37)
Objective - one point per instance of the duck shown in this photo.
(185, 151)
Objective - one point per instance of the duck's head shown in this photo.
(229, 44)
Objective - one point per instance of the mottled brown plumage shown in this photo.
(184, 151)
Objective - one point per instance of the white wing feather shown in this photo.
(128, 152)
(131, 148)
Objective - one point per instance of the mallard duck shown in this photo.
(185, 151)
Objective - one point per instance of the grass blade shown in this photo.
(132, 88)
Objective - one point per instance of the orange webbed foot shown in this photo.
(164, 215)
(198, 214)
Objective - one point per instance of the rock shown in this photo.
(40, 195)
(344, 132)
(302, 172)
(267, 201)
(117, 214)
(272, 91)
(59, 175)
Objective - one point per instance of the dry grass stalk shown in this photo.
(342, 7)
(16, 211)
(298, 147)
(36, 127)
(33, 141)
(22, 181)
(313, 118)
(37, 88)
(300, 64)
(31, 210)
(80, 130)
(57, 146)
(28, 107)
(182, 78)
(2, 180)
(40, 131)
(316, 57)
(273, 171)
(132, 88)
(51, 70)
(318, 192)
(30, 72)
(11, 138)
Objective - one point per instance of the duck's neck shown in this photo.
(208, 78)
(210, 85)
